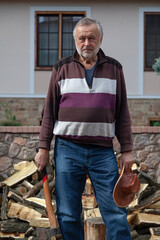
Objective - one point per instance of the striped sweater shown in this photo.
(82, 114)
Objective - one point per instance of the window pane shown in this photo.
(53, 24)
(43, 40)
(152, 38)
(53, 57)
(42, 24)
(67, 41)
(53, 41)
(43, 58)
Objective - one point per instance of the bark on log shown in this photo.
(14, 196)
(13, 225)
(36, 188)
(4, 203)
(27, 184)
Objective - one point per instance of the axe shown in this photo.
(42, 233)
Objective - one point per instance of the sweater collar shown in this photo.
(101, 56)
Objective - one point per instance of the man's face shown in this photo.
(88, 41)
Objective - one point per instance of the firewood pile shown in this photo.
(23, 207)
(143, 212)
(22, 202)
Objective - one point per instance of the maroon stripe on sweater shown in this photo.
(91, 139)
(89, 100)
(86, 115)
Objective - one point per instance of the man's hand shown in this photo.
(42, 158)
(126, 159)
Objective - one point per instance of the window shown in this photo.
(54, 36)
(151, 38)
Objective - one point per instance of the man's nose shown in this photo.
(86, 42)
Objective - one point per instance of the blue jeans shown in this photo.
(72, 162)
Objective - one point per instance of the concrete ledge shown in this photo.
(36, 129)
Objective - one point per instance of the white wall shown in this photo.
(120, 22)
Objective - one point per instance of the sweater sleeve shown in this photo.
(123, 123)
(50, 112)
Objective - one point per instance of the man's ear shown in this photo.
(101, 40)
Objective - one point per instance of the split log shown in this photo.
(19, 166)
(36, 188)
(14, 196)
(145, 218)
(40, 222)
(4, 204)
(155, 233)
(95, 229)
(22, 212)
(152, 211)
(10, 236)
(88, 187)
(21, 175)
(37, 202)
(13, 225)
(92, 213)
(89, 201)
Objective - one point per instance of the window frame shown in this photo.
(147, 69)
(60, 13)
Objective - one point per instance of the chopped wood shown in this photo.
(150, 179)
(20, 190)
(92, 213)
(36, 188)
(21, 174)
(95, 229)
(152, 211)
(88, 187)
(143, 167)
(14, 196)
(22, 212)
(27, 184)
(37, 202)
(11, 235)
(51, 187)
(40, 222)
(21, 165)
(89, 201)
(4, 203)
(155, 233)
(14, 225)
(145, 218)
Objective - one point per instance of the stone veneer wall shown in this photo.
(19, 143)
(28, 110)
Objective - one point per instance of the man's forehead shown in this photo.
(88, 29)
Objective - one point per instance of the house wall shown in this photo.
(121, 41)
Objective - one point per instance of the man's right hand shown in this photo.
(42, 158)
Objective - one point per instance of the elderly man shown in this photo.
(86, 106)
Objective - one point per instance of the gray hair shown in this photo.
(86, 22)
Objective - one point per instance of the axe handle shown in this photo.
(51, 215)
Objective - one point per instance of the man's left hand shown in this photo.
(126, 159)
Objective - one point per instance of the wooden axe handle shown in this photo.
(51, 215)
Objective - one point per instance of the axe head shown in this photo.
(47, 234)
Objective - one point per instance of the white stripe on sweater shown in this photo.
(84, 129)
(79, 85)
